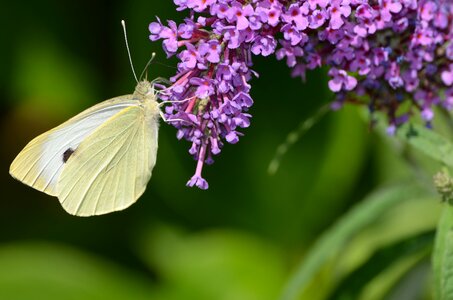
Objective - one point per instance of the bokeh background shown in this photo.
(241, 239)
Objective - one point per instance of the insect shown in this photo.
(101, 160)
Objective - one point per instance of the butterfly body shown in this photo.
(98, 161)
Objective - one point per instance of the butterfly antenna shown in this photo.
(147, 65)
(128, 51)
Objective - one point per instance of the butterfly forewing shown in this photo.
(111, 167)
(40, 163)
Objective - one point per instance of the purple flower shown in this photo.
(186, 30)
(341, 80)
(401, 25)
(243, 99)
(338, 9)
(411, 80)
(391, 129)
(428, 10)
(389, 7)
(365, 12)
(264, 45)
(365, 28)
(239, 14)
(447, 75)
(427, 114)
(196, 179)
(423, 37)
(291, 53)
(232, 36)
(318, 3)
(219, 10)
(390, 53)
(297, 15)
(449, 50)
(441, 19)
(169, 34)
(189, 57)
(290, 33)
(155, 28)
(380, 56)
(200, 5)
(393, 76)
(232, 137)
(204, 87)
(365, 15)
(361, 64)
(199, 182)
(211, 50)
(271, 16)
(317, 19)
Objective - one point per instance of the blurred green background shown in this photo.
(247, 235)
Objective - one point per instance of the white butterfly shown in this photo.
(99, 161)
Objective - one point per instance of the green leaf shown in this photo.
(352, 285)
(332, 241)
(406, 279)
(428, 142)
(333, 171)
(48, 271)
(294, 136)
(443, 256)
(216, 264)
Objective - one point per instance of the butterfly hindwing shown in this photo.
(111, 167)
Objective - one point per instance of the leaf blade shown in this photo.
(358, 217)
(442, 259)
(427, 141)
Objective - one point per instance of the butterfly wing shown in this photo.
(40, 163)
(110, 169)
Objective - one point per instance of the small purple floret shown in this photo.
(198, 182)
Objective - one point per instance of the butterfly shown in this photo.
(99, 161)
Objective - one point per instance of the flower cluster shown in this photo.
(395, 56)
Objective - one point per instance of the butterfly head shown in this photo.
(144, 88)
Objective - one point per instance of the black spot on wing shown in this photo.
(67, 154)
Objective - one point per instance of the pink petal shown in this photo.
(335, 85)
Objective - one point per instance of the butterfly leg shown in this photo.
(174, 101)
(174, 120)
